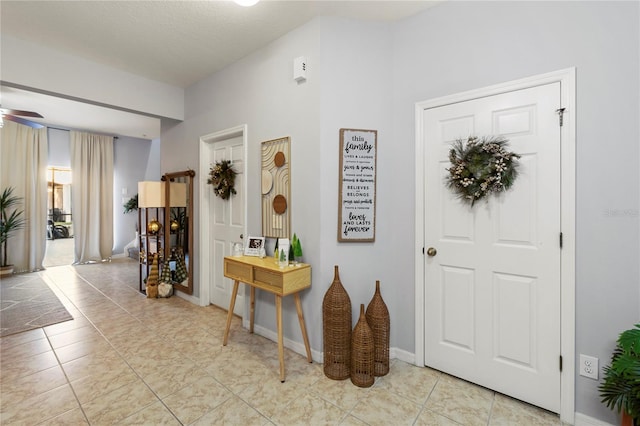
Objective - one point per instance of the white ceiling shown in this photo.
(178, 42)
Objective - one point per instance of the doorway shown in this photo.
(60, 242)
(479, 316)
(222, 222)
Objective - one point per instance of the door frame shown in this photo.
(207, 144)
(567, 79)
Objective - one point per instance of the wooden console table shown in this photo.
(264, 273)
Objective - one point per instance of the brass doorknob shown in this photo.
(431, 251)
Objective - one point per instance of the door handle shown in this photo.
(241, 236)
(431, 252)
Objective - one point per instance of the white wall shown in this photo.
(59, 154)
(131, 157)
(73, 77)
(355, 60)
(458, 46)
(259, 91)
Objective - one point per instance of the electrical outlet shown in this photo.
(589, 366)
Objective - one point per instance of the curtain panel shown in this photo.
(23, 159)
(92, 194)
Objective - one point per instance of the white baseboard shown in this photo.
(402, 355)
(187, 297)
(317, 356)
(584, 420)
(297, 347)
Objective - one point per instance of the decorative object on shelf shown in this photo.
(357, 185)
(276, 188)
(175, 225)
(284, 249)
(295, 252)
(336, 330)
(378, 319)
(152, 279)
(362, 353)
(276, 251)
(131, 205)
(154, 227)
(480, 167)
(255, 246)
(620, 386)
(223, 179)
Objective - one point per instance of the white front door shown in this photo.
(226, 223)
(492, 290)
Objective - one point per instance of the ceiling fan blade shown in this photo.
(22, 121)
(20, 112)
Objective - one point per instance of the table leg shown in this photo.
(296, 297)
(230, 313)
(280, 338)
(252, 309)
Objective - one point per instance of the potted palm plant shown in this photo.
(620, 388)
(11, 220)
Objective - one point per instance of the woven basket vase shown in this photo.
(336, 330)
(362, 348)
(378, 319)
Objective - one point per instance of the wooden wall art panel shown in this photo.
(276, 188)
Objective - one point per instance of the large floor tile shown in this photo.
(119, 404)
(382, 407)
(139, 361)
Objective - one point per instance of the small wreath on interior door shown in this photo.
(223, 179)
(480, 167)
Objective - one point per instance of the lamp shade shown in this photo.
(151, 194)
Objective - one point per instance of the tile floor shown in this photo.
(127, 359)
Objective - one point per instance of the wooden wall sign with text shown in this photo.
(357, 202)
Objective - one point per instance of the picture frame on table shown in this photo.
(254, 247)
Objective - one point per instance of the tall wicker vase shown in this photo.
(378, 319)
(336, 328)
(362, 349)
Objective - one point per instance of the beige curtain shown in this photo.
(23, 160)
(92, 194)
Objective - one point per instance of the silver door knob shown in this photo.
(431, 252)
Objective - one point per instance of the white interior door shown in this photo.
(492, 290)
(226, 223)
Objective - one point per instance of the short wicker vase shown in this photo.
(378, 319)
(362, 348)
(336, 330)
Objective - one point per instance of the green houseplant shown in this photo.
(11, 220)
(131, 205)
(620, 388)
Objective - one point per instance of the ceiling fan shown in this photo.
(15, 116)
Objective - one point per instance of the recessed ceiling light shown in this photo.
(246, 3)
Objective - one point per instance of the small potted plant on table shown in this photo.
(620, 388)
(11, 220)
